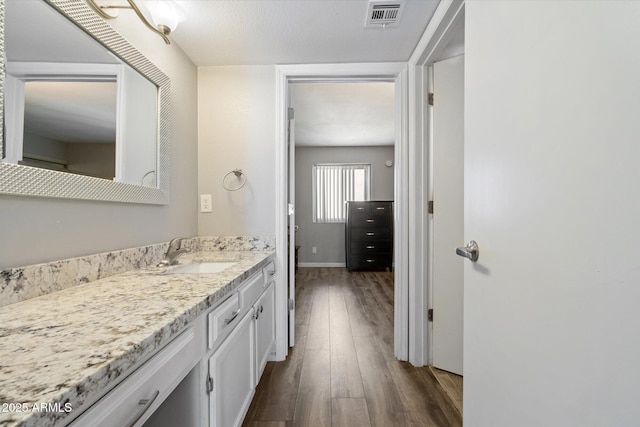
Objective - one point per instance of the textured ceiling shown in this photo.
(248, 32)
(255, 32)
(343, 114)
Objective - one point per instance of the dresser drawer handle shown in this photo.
(360, 209)
(380, 209)
(371, 220)
(371, 247)
(371, 260)
(371, 234)
(147, 403)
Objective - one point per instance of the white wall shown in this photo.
(329, 238)
(236, 129)
(551, 156)
(34, 230)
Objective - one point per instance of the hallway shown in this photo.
(342, 371)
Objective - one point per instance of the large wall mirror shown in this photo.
(85, 114)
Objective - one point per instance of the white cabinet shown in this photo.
(265, 325)
(232, 375)
(238, 360)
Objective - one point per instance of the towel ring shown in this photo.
(240, 175)
(146, 175)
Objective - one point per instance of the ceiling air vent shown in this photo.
(384, 13)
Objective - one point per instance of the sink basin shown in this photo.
(201, 268)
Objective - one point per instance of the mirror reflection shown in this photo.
(73, 106)
(70, 126)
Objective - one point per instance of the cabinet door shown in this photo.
(232, 369)
(265, 328)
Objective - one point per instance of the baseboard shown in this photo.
(322, 264)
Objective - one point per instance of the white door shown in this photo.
(448, 217)
(292, 228)
(552, 149)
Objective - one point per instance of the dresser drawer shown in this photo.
(359, 207)
(371, 247)
(381, 208)
(370, 220)
(223, 319)
(358, 234)
(370, 261)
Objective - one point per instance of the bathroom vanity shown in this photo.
(156, 346)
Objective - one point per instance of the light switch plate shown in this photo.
(205, 203)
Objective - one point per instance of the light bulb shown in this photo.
(165, 14)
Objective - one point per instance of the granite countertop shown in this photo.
(68, 346)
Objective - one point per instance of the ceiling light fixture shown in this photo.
(165, 14)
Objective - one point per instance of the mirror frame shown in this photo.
(29, 181)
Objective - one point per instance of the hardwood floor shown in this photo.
(342, 371)
(452, 385)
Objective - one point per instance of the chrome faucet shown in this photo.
(173, 252)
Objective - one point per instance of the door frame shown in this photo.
(441, 28)
(355, 72)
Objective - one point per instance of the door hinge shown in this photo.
(209, 384)
(292, 304)
(430, 315)
(430, 98)
(430, 207)
(291, 113)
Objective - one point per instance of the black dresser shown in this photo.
(369, 235)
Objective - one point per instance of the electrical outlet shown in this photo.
(205, 203)
(314, 250)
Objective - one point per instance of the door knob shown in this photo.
(471, 251)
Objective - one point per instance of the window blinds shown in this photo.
(334, 184)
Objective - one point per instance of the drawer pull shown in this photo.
(360, 209)
(371, 234)
(371, 260)
(233, 316)
(380, 208)
(371, 220)
(147, 404)
(371, 247)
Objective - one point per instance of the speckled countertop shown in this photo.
(68, 346)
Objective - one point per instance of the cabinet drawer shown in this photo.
(370, 233)
(223, 319)
(371, 247)
(151, 383)
(252, 290)
(269, 272)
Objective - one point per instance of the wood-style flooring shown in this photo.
(342, 371)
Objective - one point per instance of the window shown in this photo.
(336, 183)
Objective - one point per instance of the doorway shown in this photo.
(287, 75)
(342, 130)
